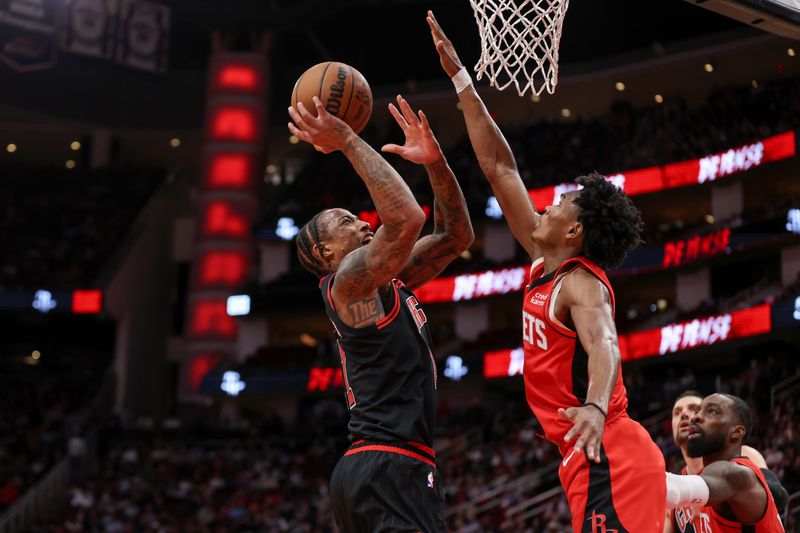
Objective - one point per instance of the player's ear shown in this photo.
(737, 433)
(323, 252)
(575, 230)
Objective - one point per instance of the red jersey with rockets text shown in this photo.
(556, 368)
(770, 521)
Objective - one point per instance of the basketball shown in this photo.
(342, 89)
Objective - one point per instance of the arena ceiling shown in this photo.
(388, 40)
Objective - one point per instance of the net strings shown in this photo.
(519, 43)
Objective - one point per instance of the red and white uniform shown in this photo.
(626, 491)
(770, 521)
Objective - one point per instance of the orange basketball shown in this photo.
(342, 89)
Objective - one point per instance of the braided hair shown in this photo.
(611, 223)
(306, 239)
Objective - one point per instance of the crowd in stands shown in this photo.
(59, 226)
(37, 401)
(554, 151)
(260, 475)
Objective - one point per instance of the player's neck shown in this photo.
(722, 455)
(693, 464)
(553, 258)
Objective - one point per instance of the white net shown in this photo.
(519, 42)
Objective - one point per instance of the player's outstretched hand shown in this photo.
(421, 145)
(447, 52)
(325, 132)
(588, 424)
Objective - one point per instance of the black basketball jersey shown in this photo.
(389, 370)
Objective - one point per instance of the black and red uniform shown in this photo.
(387, 479)
(770, 521)
(626, 491)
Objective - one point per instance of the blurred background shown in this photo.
(168, 366)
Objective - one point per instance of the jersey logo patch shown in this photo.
(599, 523)
(430, 480)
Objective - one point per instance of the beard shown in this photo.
(705, 445)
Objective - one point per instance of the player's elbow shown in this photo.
(464, 239)
(414, 220)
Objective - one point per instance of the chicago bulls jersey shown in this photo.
(770, 521)
(389, 370)
(556, 368)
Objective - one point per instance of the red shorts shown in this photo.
(625, 492)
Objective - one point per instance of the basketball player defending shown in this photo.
(730, 490)
(387, 479)
(689, 519)
(612, 472)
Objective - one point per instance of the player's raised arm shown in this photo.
(490, 146)
(452, 232)
(368, 267)
(590, 308)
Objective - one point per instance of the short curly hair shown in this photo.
(611, 223)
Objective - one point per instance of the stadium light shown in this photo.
(238, 305)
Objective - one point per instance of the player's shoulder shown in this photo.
(584, 286)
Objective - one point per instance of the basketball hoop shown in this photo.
(519, 42)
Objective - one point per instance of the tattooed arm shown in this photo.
(452, 231)
(368, 268)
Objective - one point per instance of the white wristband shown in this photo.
(461, 80)
(691, 491)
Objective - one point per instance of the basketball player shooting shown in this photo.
(689, 519)
(387, 479)
(612, 471)
(730, 490)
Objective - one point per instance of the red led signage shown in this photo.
(698, 332)
(671, 338)
(199, 366)
(237, 77)
(229, 203)
(229, 171)
(223, 268)
(233, 123)
(693, 172)
(219, 219)
(471, 286)
(210, 317)
(87, 302)
(324, 379)
(686, 250)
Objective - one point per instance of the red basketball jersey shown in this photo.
(770, 522)
(556, 369)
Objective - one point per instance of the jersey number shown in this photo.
(416, 312)
(533, 331)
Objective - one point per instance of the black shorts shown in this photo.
(387, 486)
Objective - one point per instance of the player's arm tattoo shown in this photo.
(370, 267)
(452, 231)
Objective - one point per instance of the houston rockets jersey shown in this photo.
(556, 368)
(770, 521)
(389, 370)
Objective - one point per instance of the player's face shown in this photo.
(710, 426)
(345, 232)
(557, 220)
(682, 413)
